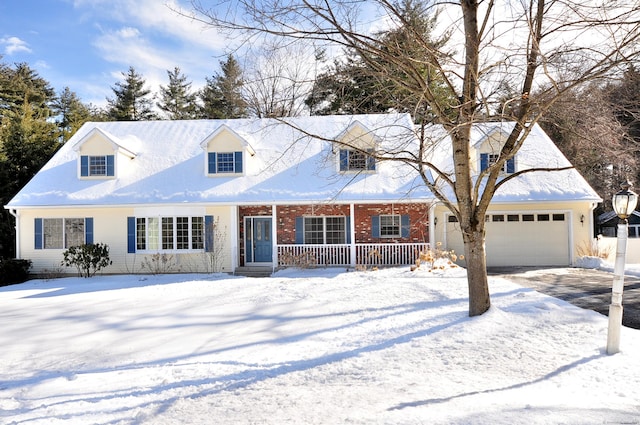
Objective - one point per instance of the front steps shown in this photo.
(254, 271)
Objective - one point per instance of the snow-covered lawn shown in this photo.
(306, 347)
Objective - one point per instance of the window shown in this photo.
(352, 160)
(324, 230)
(497, 217)
(527, 217)
(543, 217)
(389, 226)
(558, 217)
(488, 159)
(224, 163)
(62, 233)
(97, 166)
(513, 217)
(169, 233)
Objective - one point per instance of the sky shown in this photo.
(87, 44)
(317, 346)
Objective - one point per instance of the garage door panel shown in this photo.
(522, 243)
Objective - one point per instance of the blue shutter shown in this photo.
(111, 166)
(84, 166)
(38, 234)
(511, 165)
(404, 226)
(208, 233)
(238, 161)
(484, 161)
(371, 161)
(299, 230)
(348, 226)
(212, 163)
(375, 226)
(88, 230)
(344, 160)
(131, 235)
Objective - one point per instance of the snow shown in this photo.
(294, 162)
(323, 346)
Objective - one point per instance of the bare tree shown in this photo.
(526, 44)
(278, 79)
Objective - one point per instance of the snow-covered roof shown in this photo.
(293, 163)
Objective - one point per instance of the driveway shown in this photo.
(586, 288)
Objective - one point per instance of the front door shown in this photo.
(258, 240)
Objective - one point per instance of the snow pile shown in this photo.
(306, 347)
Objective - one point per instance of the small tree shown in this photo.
(87, 258)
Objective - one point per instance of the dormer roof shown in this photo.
(114, 141)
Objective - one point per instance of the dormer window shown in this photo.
(354, 160)
(488, 159)
(224, 162)
(97, 166)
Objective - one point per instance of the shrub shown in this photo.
(437, 259)
(14, 271)
(159, 264)
(87, 258)
(594, 248)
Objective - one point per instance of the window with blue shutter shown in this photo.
(238, 162)
(487, 159)
(353, 160)
(375, 226)
(111, 172)
(225, 162)
(212, 163)
(131, 235)
(84, 166)
(208, 233)
(38, 233)
(484, 161)
(299, 230)
(88, 230)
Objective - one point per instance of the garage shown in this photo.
(521, 239)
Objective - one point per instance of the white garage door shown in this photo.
(521, 239)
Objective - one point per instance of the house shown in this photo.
(221, 195)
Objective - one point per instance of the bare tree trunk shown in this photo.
(474, 251)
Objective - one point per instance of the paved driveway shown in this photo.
(586, 288)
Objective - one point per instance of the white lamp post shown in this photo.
(624, 203)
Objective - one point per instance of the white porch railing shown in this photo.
(370, 254)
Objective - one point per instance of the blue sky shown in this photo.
(87, 44)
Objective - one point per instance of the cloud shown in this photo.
(14, 45)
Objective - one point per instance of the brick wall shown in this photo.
(285, 223)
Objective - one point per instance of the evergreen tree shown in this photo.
(132, 101)
(378, 81)
(27, 138)
(177, 100)
(70, 113)
(222, 95)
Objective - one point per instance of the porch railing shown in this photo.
(370, 254)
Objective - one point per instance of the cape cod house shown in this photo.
(220, 195)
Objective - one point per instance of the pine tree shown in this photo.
(132, 101)
(177, 100)
(70, 113)
(222, 95)
(27, 138)
(377, 81)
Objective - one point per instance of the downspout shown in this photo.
(16, 215)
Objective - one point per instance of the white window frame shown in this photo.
(393, 217)
(324, 229)
(154, 234)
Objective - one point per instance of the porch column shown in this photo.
(352, 232)
(234, 236)
(274, 238)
